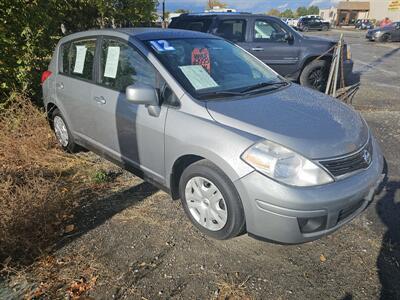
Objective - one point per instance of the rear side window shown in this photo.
(122, 65)
(202, 25)
(78, 58)
(233, 30)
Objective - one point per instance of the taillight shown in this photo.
(45, 75)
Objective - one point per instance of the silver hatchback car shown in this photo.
(201, 118)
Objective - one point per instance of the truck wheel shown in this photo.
(211, 201)
(325, 28)
(305, 28)
(315, 75)
(62, 132)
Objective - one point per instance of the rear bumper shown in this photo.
(292, 215)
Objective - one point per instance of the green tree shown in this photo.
(313, 10)
(288, 13)
(213, 3)
(273, 12)
(301, 11)
(182, 11)
(29, 31)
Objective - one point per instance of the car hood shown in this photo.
(309, 122)
(318, 39)
(382, 29)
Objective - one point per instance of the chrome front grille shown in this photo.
(353, 162)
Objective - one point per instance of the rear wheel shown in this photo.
(305, 28)
(62, 132)
(211, 201)
(315, 75)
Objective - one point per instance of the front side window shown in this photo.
(233, 30)
(208, 65)
(268, 31)
(78, 58)
(122, 65)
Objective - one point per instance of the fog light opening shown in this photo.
(310, 225)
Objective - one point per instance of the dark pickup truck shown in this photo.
(285, 50)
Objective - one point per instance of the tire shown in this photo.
(325, 28)
(67, 144)
(227, 206)
(315, 75)
(305, 29)
(386, 38)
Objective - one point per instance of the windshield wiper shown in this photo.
(219, 94)
(261, 85)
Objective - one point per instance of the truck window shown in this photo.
(265, 31)
(202, 25)
(234, 30)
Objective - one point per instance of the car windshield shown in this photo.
(208, 66)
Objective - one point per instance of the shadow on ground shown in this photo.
(96, 211)
(388, 262)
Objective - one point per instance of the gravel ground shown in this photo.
(142, 246)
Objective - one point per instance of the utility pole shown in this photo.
(164, 25)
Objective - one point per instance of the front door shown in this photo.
(126, 131)
(270, 46)
(74, 84)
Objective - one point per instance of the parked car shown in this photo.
(285, 50)
(364, 24)
(201, 118)
(389, 33)
(290, 21)
(307, 24)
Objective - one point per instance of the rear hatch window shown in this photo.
(194, 24)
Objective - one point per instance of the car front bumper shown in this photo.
(278, 212)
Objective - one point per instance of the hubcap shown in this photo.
(206, 203)
(61, 131)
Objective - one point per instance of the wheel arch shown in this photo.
(310, 59)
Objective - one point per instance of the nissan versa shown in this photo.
(244, 149)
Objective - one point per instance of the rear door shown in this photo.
(269, 45)
(232, 29)
(126, 131)
(74, 84)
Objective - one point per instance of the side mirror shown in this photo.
(140, 93)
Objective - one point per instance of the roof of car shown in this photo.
(142, 33)
(221, 14)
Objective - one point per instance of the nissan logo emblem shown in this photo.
(366, 156)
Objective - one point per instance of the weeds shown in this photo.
(232, 289)
(39, 184)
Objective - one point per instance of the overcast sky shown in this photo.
(246, 5)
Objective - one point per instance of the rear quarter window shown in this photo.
(201, 25)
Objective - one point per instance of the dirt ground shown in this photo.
(136, 243)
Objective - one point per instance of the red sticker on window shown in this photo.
(201, 57)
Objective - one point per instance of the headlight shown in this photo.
(377, 32)
(284, 165)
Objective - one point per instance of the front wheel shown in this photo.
(211, 201)
(386, 38)
(305, 28)
(315, 75)
(325, 28)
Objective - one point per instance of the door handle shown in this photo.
(60, 85)
(100, 100)
(257, 49)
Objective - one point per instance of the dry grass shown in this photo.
(35, 183)
(232, 289)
